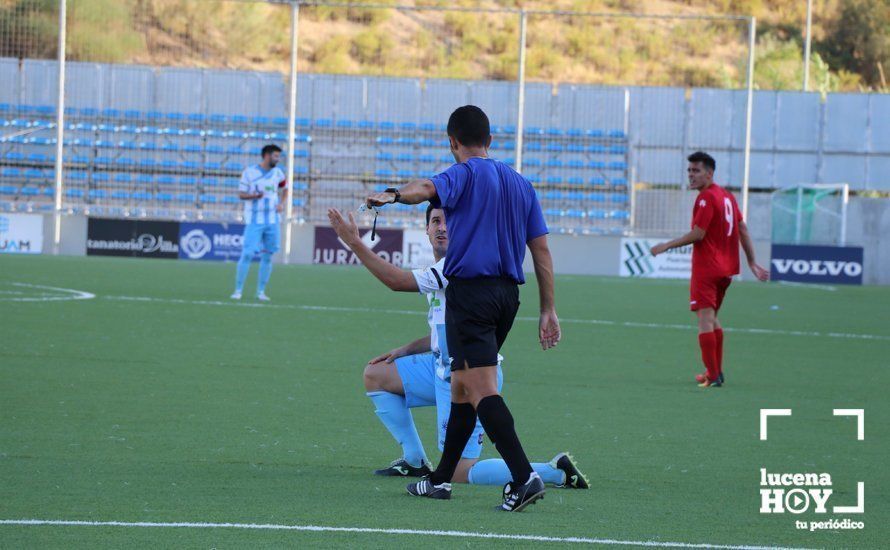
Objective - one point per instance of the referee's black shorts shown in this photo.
(478, 315)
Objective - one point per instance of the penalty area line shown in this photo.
(383, 531)
(603, 322)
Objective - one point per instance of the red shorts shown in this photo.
(705, 292)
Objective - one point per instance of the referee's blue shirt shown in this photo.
(491, 212)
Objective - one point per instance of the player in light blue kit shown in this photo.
(418, 374)
(263, 189)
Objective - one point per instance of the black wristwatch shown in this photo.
(395, 192)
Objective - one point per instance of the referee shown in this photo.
(493, 214)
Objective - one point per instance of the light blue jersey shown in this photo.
(432, 282)
(254, 179)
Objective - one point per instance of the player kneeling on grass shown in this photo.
(717, 228)
(415, 375)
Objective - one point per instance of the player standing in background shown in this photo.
(493, 213)
(717, 228)
(263, 188)
(418, 375)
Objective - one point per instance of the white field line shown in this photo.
(67, 294)
(603, 322)
(415, 532)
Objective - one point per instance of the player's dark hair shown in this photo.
(269, 149)
(704, 158)
(469, 126)
(429, 213)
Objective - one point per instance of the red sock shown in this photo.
(718, 334)
(708, 343)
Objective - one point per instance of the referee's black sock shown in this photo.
(498, 424)
(461, 423)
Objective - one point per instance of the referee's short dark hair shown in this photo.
(269, 149)
(469, 126)
(704, 158)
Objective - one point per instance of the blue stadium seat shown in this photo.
(238, 119)
(595, 132)
(98, 193)
(165, 197)
(616, 133)
(554, 132)
(429, 127)
(619, 182)
(574, 132)
(533, 178)
(146, 179)
(554, 180)
(596, 164)
(166, 179)
(534, 131)
(111, 113)
(596, 197)
(405, 173)
(76, 176)
(575, 148)
(278, 136)
(89, 112)
(185, 197)
(618, 165)
(405, 157)
(34, 174)
(383, 173)
(196, 118)
(619, 214)
(383, 155)
(365, 125)
(170, 147)
(279, 121)
(123, 178)
(42, 141)
(597, 214)
(595, 148)
(405, 141)
(10, 172)
(344, 124)
(385, 140)
(14, 156)
(553, 212)
(147, 163)
(575, 214)
(323, 123)
(532, 146)
(175, 116)
(575, 163)
(217, 118)
(101, 177)
(126, 161)
(264, 120)
(386, 125)
(141, 196)
(74, 193)
(508, 129)
(408, 126)
(532, 162)
(297, 202)
(147, 146)
(209, 165)
(208, 199)
(191, 148)
(553, 195)
(132, 113)
(554, 163)
(127, 129)
(427, 159)
(154, 115)
(575, 180)
(188, 180)
(193, 164)
(30, 191)
(233, 166)
(8, 189)
(301, 153)
(234, 150)
(215, 149)
(209, 182)
(301, 170)
(617, 149)
(230, 199)
(618, 198)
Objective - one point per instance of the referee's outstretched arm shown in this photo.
(413, 192)
(548, 326)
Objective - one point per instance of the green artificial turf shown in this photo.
(159, 401)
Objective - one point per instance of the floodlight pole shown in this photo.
(60, 132)
(808, 38)
(291, 129)
(749, 107)
(520, 106)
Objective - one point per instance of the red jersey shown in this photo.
(717, 254)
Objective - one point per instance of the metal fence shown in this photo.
(168, 134)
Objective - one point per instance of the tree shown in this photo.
(859, 40)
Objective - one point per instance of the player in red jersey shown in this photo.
(717, 229)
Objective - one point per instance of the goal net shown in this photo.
(810, 214)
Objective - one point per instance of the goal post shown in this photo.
(811, 214)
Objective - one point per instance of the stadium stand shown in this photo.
(187, 165)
